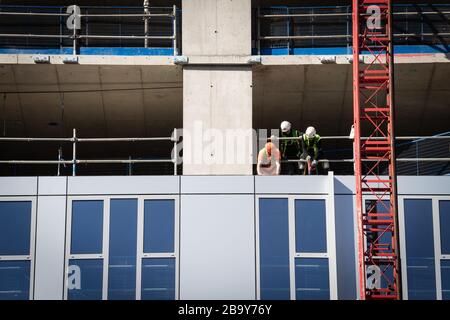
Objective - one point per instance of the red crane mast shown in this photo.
(375, 167)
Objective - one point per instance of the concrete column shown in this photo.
(216, 27)
(217, 94)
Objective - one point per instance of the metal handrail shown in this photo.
(126, 161)
(45, 14)
(137, 15)
(340, 14)
(95, 36)
(334, 36)
(371, 138)
(365, 138)
(82, 36)
(30, 35)
(374, 160)
(124, 139)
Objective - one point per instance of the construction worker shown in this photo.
(290, 148)
(269, 160)
(311, 149)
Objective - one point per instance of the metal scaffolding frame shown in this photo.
(146, 16)
(174, 138)
(75, 140)
(347, 36)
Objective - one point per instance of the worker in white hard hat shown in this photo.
(269, 160)
(311, 149)
(290, 147)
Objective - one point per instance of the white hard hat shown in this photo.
(310, 132)
(285, 126)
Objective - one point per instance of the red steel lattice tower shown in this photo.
(376, 183)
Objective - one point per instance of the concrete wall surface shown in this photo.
(216, 27)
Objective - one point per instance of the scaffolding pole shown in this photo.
(74, 153)
(146, 18)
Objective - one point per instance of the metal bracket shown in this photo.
(41, 59)
(180, 60)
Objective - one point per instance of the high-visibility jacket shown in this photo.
(311, 145)
(290, 148)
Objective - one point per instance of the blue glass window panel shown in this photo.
(312, 279)
(445, 279)
(274, 249)
(158, 279)
(444, 218)
(420, 249)
(421, 279)
(419, 228)
(122, 249)
(310, 226)
(159, 226)
(15, 227)
(91, 286)
(14, 280)
(87, 227)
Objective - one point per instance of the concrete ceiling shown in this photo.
(114, 113)
(321, 95)
(317, 95)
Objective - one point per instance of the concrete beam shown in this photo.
(220, 59)
(90, 59)
(347, 59)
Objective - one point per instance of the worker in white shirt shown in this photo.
(269, 160)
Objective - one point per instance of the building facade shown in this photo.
(208, 237)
